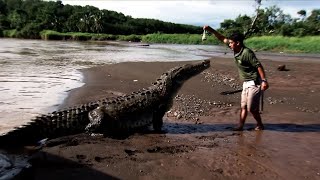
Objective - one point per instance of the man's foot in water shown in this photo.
(259, 128)
(238, 128)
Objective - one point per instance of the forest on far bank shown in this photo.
(27, 18)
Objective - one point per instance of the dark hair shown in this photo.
(237, 37)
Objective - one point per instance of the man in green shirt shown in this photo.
(252, 74)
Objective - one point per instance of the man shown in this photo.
(252, 74)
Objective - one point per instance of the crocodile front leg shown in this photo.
(95, 117)
(157, 120)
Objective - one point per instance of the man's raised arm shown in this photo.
(221, 37)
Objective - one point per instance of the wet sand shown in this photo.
(197, 142)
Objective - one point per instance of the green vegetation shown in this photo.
(308, 44)
(52, 20)
(53, 35)
(273, 22)
(30, 17)
(10, 33)
(132, 38)
(177, 39)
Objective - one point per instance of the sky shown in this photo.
(196, 12)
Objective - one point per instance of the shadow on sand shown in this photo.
(184, 128)
(48, 166)
(51, 167)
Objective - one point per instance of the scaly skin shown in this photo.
(109, 116)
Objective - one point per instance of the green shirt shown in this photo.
(248, 64)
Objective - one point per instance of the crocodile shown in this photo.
(109, 115)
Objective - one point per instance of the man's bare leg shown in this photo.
(257, 117)
(243, 116)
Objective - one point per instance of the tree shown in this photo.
(31, 16)
(302, 13)
(313, 22)
(3, 8)
(18, 19)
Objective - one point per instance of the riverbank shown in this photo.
(307, 44)
(198, 142)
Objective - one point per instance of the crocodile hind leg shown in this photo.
(157, 120)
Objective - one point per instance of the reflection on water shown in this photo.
(36, 75)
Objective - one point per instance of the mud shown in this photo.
(197, 141)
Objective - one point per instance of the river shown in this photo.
(36, 75)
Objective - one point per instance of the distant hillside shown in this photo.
(29, 17)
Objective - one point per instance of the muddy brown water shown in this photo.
(287, 149)
(36, 75)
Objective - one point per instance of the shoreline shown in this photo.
(91, 80)
(99, 81)
(254, 43)
(197, 142)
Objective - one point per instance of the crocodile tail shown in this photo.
(56, 124)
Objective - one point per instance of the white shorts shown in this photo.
(250, 96)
